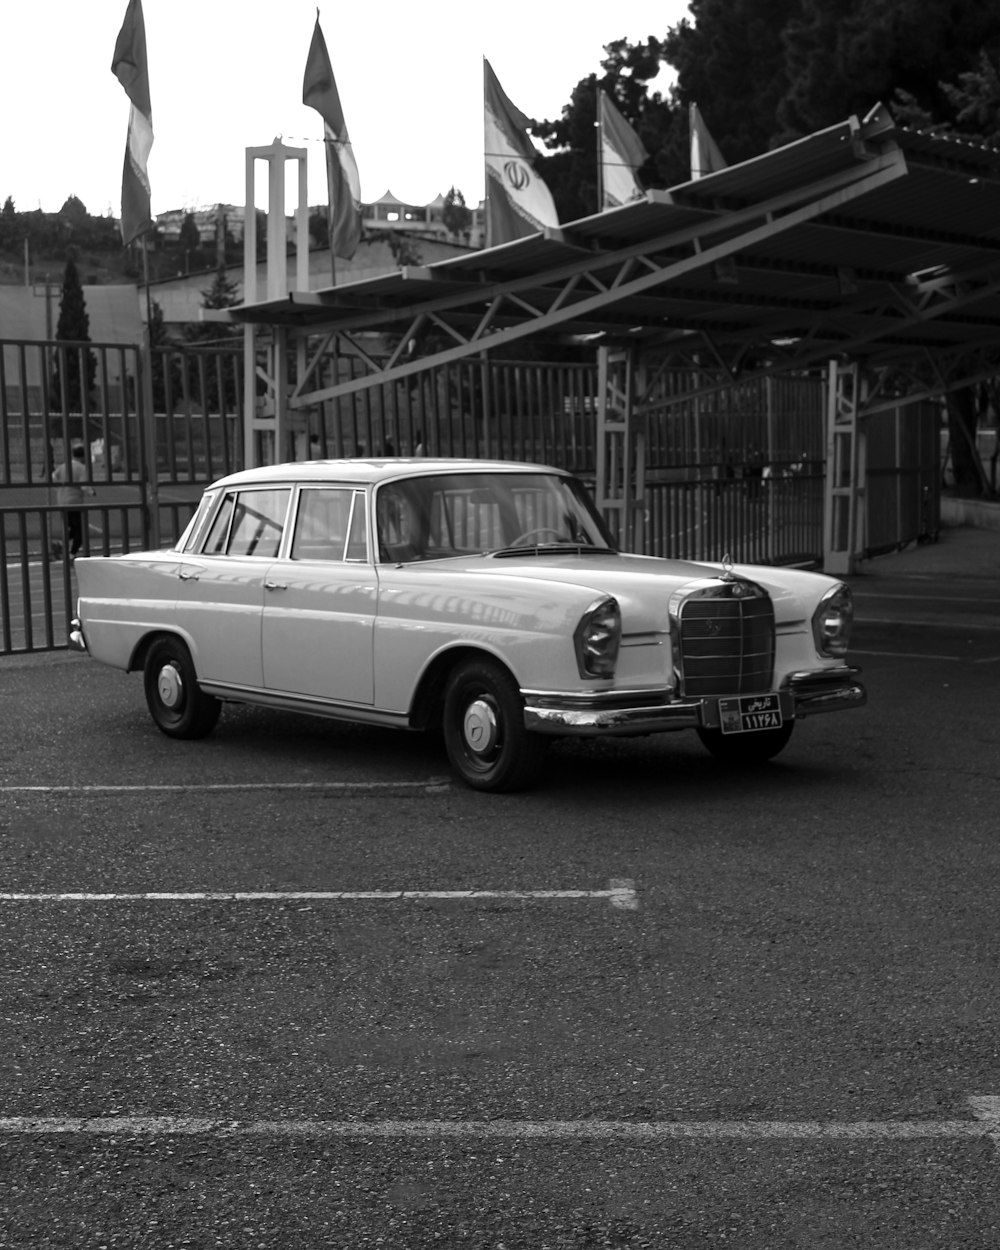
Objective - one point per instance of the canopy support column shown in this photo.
(620, 488)
(844, 501)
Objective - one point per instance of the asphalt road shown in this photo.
(651, 1003)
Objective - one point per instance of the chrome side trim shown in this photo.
(305, 703)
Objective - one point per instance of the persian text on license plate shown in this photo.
(749, 712)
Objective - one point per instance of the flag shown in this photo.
(705, 155)
(319, 91)
(518, 202)
(621, 155)
(130, 68)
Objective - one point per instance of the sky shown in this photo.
(226, 75)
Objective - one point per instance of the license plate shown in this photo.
(749, 713)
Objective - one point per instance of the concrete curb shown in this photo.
(979, 513)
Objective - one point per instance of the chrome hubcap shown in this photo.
(169, 686)
(480, 727)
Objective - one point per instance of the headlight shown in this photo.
(832, 621)
(597, 638)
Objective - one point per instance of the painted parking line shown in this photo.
(620, 894)
(545, 1130)
(433, 785)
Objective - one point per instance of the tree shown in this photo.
(456, 216)
(404, 248)
(730, 61)
(570, 172)
(189, 238)
(10, 231)
(975, 99)
(319, 227)
(223, 293)
(75, 368)
(74, 212)
(845, 56)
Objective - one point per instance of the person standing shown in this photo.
(69, 495)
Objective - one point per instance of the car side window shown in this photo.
(330, 525)
(218, 535)
(255, 525)
(194, 531)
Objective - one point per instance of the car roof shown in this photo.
(375, 469)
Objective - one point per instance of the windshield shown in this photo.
(455, 514)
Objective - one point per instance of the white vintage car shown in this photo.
(483, 598)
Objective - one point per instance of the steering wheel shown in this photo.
(523, 540)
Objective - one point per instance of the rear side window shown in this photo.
(249, 523)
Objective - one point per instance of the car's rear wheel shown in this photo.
(484, 732)
(175, 701)
(746, 749)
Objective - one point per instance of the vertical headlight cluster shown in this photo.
(597, 639)
(832, 620)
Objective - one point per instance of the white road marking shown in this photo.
(435, 784)
(620, 894)
(589, 1130)
(986, 1107)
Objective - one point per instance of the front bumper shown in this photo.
(614, 714)
(77, 642)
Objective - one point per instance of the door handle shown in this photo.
(188, 577)
(275, 585)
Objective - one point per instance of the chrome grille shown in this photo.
(726, 639)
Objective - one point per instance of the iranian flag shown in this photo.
(622, 154)
(518, 203)
(130, 68)
(319, 91)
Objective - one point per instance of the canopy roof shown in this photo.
(865, 240)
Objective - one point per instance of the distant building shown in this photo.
(388, 212)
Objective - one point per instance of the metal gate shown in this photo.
(141, 470)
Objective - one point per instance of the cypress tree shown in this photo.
(76, 367)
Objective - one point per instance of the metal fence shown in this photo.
(738, 473)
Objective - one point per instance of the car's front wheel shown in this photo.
(484, 732)
(746, 749)
(175, 701)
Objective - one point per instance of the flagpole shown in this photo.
(145, 278)
(600, 154)
(152, 491)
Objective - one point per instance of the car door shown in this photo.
(320, 602)
(220, 595)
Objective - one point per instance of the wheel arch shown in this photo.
(137, 660)
(427, 707)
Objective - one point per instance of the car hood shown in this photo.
(641, 584)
